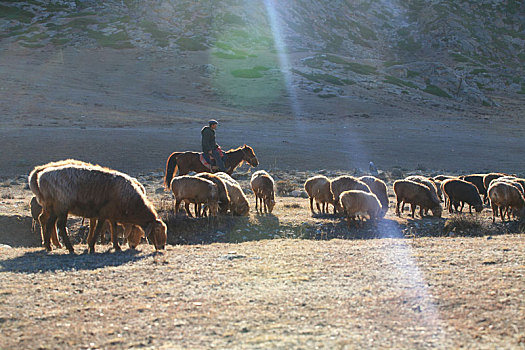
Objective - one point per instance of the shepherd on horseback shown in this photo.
(210, 147)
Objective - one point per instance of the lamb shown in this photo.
(262, 185)
(196, 190)
(36, 209)
(504, 195)
(459, 191)
(239, 205)
(132, 233)
(224, 198)
(477, 180)
(318, 189)
(416, 194)
(346, 183)
(356, 202)
(94, 192)
(378, 187)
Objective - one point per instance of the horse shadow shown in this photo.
(41, 261)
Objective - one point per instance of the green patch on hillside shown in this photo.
(478, 71)
(321, 77)
(459, 57)
(119, 40)
(435, 90)
(14, 13)
(247, 73)
(192, 43)
(399, 82)
(361, 68)
(160, 36)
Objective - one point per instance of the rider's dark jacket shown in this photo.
(208, 139)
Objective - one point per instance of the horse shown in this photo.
(190, 161)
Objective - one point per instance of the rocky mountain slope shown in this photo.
(463, 51)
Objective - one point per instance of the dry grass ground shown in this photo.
(287, 280)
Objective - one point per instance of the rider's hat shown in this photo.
(212, 122)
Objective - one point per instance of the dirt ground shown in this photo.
(287, 280)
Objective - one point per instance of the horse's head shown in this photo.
(249, 156)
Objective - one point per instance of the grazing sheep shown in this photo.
(460, 192)
(356, 202)
(428, 181)
(224, 198)
(488, 178)
(476, 180)
(33, 185)
(239, 204)
(94, 192)
(443, 177)
(318, 189)
(196, 190)
(263, 187)
(378, 187)
(416, 194)
(502, 196)
(519, 183)
(346, 183)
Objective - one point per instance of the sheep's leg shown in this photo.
(177, 205)
(62, 231)
(494, 208)
(402, 206)
(47, 228)
(312, 205)
(318, 207)
(187, 207)
(462, 205)
(470, 209)
(413, 207)
(397, 208)
(502, 213)
(92, 225)
(114, 238)
(93, 240)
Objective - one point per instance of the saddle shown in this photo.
(213, 165)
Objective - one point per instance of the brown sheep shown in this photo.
(346, 183)
(94, 192)
(416, 194)
(224, 198)
(460, 192)
(516, 182)
(262, 185)
(430, 183)
(443, 177)
(356, 202)
(487, 179)
(477, 180)
(379, 188)
(502, 196)
(318, 189)
(239, 204)
(196, 190)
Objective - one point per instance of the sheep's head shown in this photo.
(157, 234)
(214, 207)
(436, 211)
(478, 208)
(242, 209)
(135, 237)
(270, 203)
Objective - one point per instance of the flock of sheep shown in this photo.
(111, 198)
(367, 195)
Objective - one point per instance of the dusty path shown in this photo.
(453, 145)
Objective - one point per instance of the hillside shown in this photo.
(466, 52)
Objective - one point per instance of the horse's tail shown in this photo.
(171, 169)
